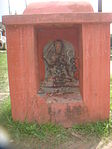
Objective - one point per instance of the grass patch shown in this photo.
(3, 60)
(100, 129)
(3, 73)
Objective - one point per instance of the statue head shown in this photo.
(58, 46)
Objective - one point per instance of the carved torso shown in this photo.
(59, 62)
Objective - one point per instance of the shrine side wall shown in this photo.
(21, 70)
(96, 69)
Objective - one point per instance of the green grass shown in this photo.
(3, 73)
(3, 60)
(100, 129)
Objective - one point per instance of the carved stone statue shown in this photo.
(59, 68)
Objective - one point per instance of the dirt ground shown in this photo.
(75, 142)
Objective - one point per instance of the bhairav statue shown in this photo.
(59, 68)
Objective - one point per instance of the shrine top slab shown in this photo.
(57, 18)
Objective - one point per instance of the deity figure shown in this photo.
(59, 68)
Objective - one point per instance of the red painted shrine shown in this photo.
(59, 63)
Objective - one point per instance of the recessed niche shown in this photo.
(59, 63)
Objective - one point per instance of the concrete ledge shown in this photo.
(64, 18)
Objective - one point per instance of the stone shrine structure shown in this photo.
(59, 63)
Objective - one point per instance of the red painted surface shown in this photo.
(96, 73)
(58, 7)
(91, 41)
(62, 19)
